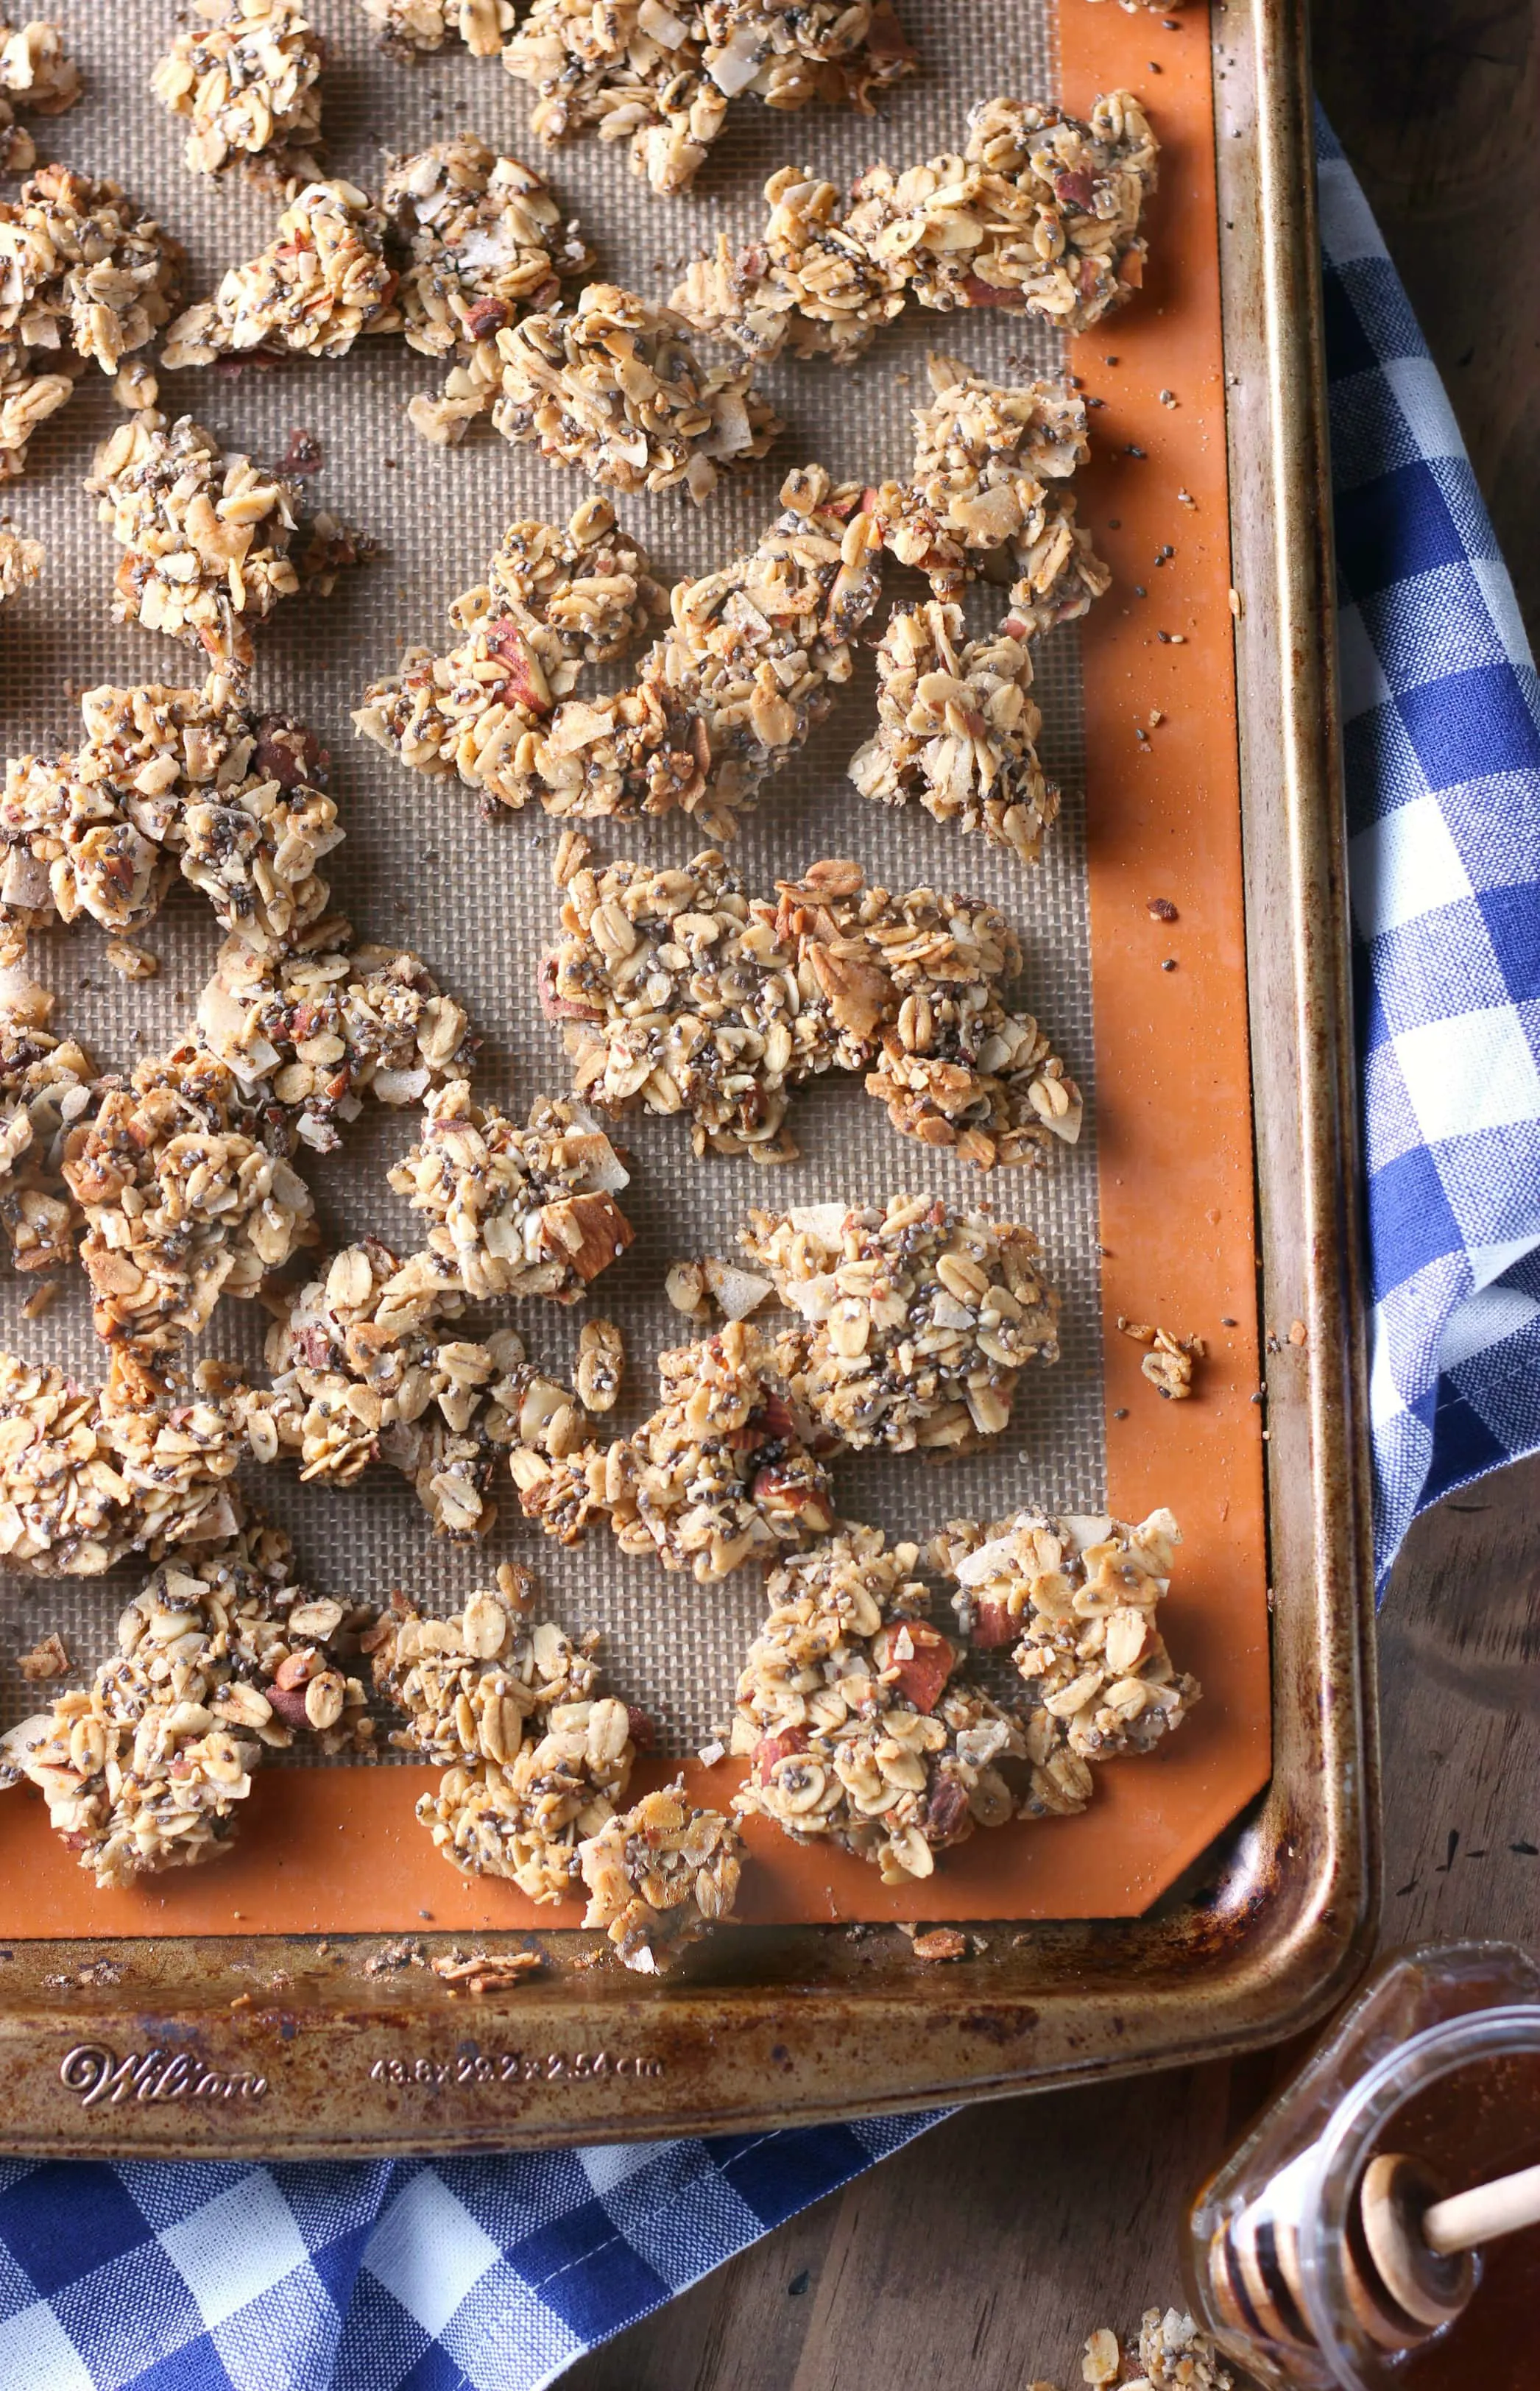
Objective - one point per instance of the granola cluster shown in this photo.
(36, 73)
(1076, 1601)
(718, 1475)
(413, 29)
(47, 1085)
(683, 994)
(91, 1474)
(323, 280)
(660, 1877)
(85, 277)
(247, 83)
(168, 782)
(182, 1197)
(516, 1211)
(218, 1661)
(313, 1033)
(916, 1321)
(858, 1728)
(484, 241)
(534, 1757)
(1171, 2354)
(659, 76)
(1038, 210)
(553, 601)
(211, 542)
(20, 563)
(611, 384)
(365, 1368)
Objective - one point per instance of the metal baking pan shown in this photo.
(1241, 1929)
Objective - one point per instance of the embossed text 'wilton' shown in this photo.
(98, 2075)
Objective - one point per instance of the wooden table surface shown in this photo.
(983, 2253)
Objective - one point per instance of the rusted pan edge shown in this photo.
(201, 2054)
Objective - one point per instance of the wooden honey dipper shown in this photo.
(1407, 2264)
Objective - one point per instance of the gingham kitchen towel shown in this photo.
(1442, 728)
(494, 2274)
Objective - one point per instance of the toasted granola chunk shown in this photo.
(220, 1658)
(683, 994)
(85, 277)
(247, 83)
(554, 600)
(168, 782)
(1040, 212)
(314, 1033)
(182, 1197)
(89, 1475)
(1169, 1358)
(1078, 1597)
(660, 1877)
(210, 540)
(858, 1727)
(322, 282)
(534, 1757)
(413, 29)
(46, 1086)
(20, 563)
(365, 1366)
(485, 241)
(916, 1321)
(601, 1366)
(516, 1211)
(37, 73)
(611, 384)
(718, 1475)
(957, 728)
(660, 77)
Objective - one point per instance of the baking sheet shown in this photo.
(421, 868)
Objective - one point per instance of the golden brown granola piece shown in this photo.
(38, 73)
(857, 1727)
(534, 1757)
(1077, 1598)
(247, 83)
(611, 384)
(46, 1086)
(322, 282)
(219, 1659)
(1169, 1358)
(916, 1321)
(20, 563)
(414, 29)
(48, 1658)
(660, 1877)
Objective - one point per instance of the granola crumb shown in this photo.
(477, 1972)
(660, 1877)
(20, 562)
(48, 1658)
(940, 1943)
(38, 74)
(131, 962)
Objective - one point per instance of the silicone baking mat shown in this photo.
(1150, 1215)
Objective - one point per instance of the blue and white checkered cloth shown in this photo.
(494, 2274)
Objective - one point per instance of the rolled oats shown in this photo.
(209, 540)
(182, 1196)
(916, 1322)
(322, 282)
(857, 1727)
(685, 995)
(1168, 1363)
(85, 277)
(1080, 1597)
(716, 1477)
(660, 1877)
(553, 601)
(412, 28)
(38, 72)
(169, 781)
(516, 1211)
(247, 81)
(89, 1475)
(20, 563)
(611, 384)
(534, 1757)
(601, 1366)
(314, 1033)
(47, 1085)
(218, 1661)
(485, 241)
(659, 76)
(1038, 210)
(365, 1368)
